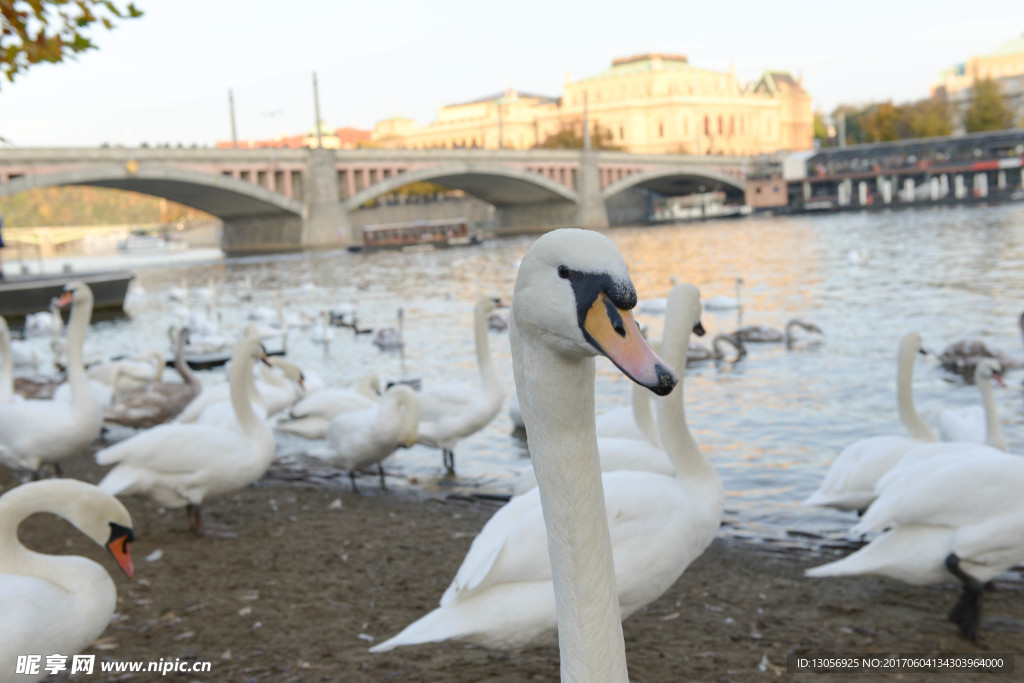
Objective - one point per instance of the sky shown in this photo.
(165, 78)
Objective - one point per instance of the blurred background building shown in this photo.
(1004, 66)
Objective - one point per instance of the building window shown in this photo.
(661, 130)
(707, 125)
(721, 128)
(622, 133)
(732, 125)
(686, 126)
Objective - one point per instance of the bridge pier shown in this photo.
(590, 211)
(325, 220)
(519, 218)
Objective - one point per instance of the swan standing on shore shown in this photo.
(36, 432)
(450, 412)
(311, 415)
(850, 482)
(953, 517)
(571, 303)
(57, 603)
(365, 437)
(180, 465)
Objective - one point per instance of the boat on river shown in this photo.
(697, 207)
(417, 235)
(24, 294)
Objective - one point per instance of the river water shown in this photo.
(772, 423)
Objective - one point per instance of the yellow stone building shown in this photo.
(1004, 65)
(651, 103)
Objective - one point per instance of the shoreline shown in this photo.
(318, 574)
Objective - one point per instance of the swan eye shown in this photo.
(564, 272)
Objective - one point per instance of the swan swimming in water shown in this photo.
(571, 303)
(697, 352)
(723, 303)
(761, 334)
(961, 357)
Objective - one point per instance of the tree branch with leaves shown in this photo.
(38, 31)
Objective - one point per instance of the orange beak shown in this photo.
(615, 333)
(120, 537)
(65, 299)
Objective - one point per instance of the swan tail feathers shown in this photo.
(116, 481)
(435, 627)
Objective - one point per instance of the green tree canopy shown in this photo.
(880, 125)
(571, 137)
(820, 129)
(36, 31)
(987, 111)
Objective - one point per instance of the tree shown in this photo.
(929, 118)
(820, 129)
(570, 136)
(987, 111)
(880, 123)
(36, 31)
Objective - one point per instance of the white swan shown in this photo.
(311, 415)
(57, 603)
(571, 302)
(388, 338)
(977, 424)
(36, 432)
(157, 402)
(762, 334)
(321, 333)
(450, 412)
(635, 421)
(129, 373)
(723, 303)
(954, 517)
(697, 353)
(7, 394)
(180, 465)
(365, 437)
(276, 391)
(850, 482)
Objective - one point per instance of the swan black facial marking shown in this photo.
(117, 531)
(698, 329)
(587, 286)
(615, 318)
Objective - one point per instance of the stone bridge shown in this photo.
(290, 199)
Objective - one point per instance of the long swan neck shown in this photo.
(643, 415)
(182, 366)
(905, 396)
(242, 388)
(993, 430)
(81, 314)
(7, 369)
(556, 396)
(483, 350)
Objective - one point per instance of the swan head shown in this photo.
(911, 344)
(76, 292)
(290, 370)
(573, 293)
(487, 304)
(988, 368)
(95, 513)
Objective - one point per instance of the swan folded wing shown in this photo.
(441, 401)
(512, 546)
(952, 491)
(169, 449)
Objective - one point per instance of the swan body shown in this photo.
(133, 373)
(850, 481)
(514, 585)
(46, 431)
(450, 412)
(321, 333)
(698, 352)
(276, 392)
(615, 454)
(179, 465)
(57, 603)
(633, 422)
(724, 303)
(311, 415)
(157, 402)
(962, 356)
(952, 517)
(965, 424)
(7, 394)
(761, 334)
(365, 437)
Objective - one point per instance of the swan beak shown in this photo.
(615, 333)
(120, 537)
(65, 299)
(999, 379)
(698, 329)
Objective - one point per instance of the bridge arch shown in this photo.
(218, 195)
(669, 181)
(493, 183)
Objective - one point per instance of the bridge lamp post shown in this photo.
(316, 111)
(231, 109)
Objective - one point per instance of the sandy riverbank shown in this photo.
(306, 585)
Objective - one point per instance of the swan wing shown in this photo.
(171, 448)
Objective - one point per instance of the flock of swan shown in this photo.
(610, 515)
